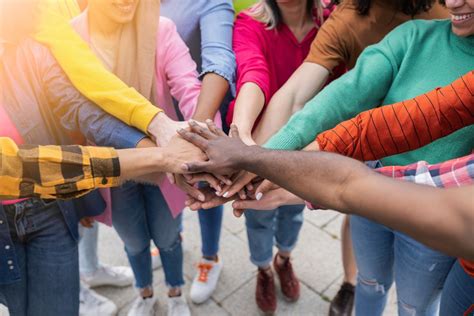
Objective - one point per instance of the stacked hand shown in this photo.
(224, 158)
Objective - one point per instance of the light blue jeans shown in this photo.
(140, 214)
(264, 228)
(383, 255)
(47, 256)
(458, 293)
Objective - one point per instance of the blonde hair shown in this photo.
(263, 12)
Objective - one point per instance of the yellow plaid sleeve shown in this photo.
(88, 74)
(60, 172)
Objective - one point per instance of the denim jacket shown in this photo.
(206, 28)
(46, 109)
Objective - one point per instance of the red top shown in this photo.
(402, 126)
(267, 57)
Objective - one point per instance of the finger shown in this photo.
(240, 181)
(234, 131)
(238, 212)
(224, 179)
(263, 188)
(193, 192)
(213, 128)
(242, 195)
(202, 131)
(248, 204)
(196, 206)
(193, 138)
(198, 166)
(171, 178)
(209, 178)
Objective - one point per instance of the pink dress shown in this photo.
(176, 78)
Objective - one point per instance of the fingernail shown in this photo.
(201, 198)
(226, 194)
(218, 193)
(259, 196)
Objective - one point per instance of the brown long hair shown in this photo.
(268, 12)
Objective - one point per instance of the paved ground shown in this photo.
(316, 261)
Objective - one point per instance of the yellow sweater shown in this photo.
(86, 71)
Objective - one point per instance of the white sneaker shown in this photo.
(155, 258)
(177, 306)
(93, 304)
(112, 276)
(143, 307)
(205, 281)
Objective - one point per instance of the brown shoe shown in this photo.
(265, 292)
(342, 303)
(290, 286)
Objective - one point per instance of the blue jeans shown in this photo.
(382, 255)
(458, 293)
(210, 222)
(264, 228)
(47, 255)
(140, 214)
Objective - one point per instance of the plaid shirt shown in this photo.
(453, 173)
(55, 171)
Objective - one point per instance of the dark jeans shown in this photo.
(48, 260)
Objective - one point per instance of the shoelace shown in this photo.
(204, 269)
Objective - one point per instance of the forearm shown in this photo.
(321, 185)
(213, 91)
(136, 163)
(375, 134)
(248, 105)
(344, 184)
(360, 89)
(305, 82)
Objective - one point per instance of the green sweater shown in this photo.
(415, 58)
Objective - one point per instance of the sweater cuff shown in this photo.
(284, 140)
(142, 117)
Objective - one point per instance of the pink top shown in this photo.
(267, 57)
(176, 77)
(8, 129)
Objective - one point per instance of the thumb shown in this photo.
(263, 188)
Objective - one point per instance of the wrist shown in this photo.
(247, 156)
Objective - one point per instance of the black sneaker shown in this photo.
(342, 303)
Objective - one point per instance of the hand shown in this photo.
(87, 222)
(163, 129)
(224, 153)
(179, 152)
(269, 201)
(211, 200)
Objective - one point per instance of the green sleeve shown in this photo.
(362, 88)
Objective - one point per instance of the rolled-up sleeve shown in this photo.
(60, 172)
(216, 22)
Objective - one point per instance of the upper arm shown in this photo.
(76, 112)
(249, 48)
(180, 68)
(216, 22)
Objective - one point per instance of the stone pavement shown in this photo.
(316, 261)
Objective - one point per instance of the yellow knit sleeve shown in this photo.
(87, 73)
